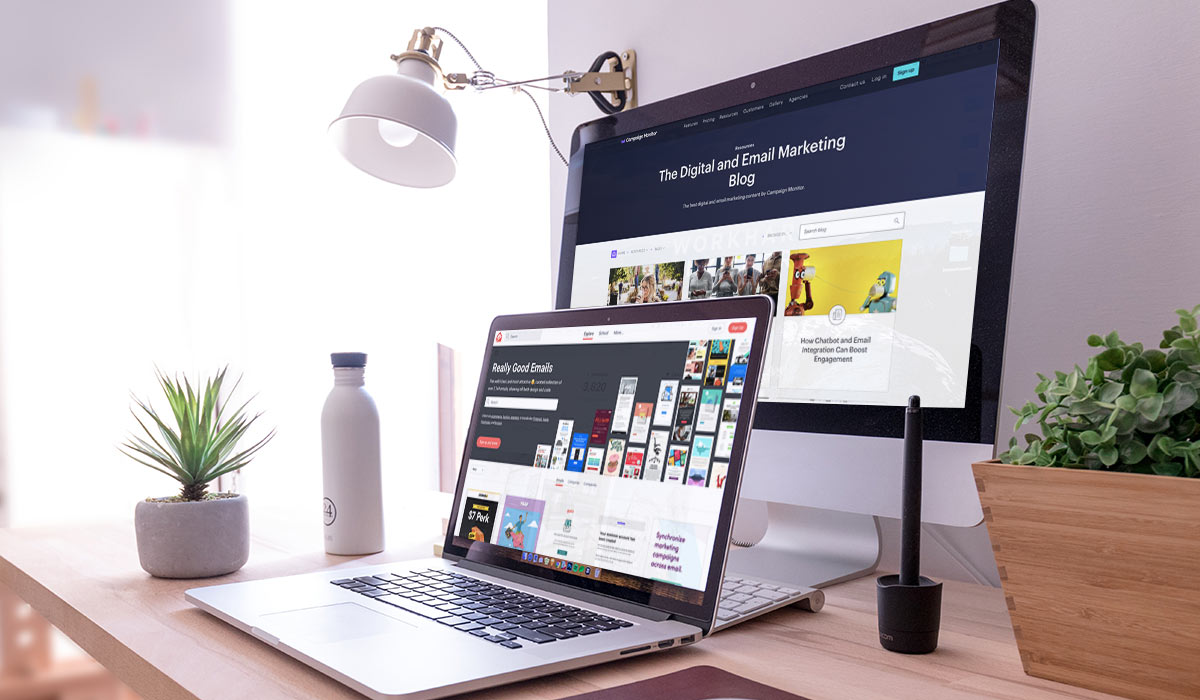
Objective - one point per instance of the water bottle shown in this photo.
(353, 505)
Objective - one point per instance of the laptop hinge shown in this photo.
(643, 611)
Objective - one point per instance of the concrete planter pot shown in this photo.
(193, 539)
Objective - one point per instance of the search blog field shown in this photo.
(892, 221)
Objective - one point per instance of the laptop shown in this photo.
(590, 522)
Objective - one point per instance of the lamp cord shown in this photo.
(462, 46)
(545, 126)
(522, 90)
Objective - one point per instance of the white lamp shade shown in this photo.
(399, 128)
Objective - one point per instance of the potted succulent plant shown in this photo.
(193, 534)
(1099, 558)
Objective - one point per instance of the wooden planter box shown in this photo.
(1101, 572)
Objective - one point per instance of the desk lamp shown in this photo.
(401, 129)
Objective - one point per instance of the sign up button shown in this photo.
(908, 70)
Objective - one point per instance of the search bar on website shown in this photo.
(847, 227)
(523, 403)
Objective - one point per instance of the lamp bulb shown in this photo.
(396, 134)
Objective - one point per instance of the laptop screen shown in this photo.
(602, 452)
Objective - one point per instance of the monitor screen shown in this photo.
(602, 452)
(857, 204)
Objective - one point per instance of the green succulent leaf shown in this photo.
(1143, 384)
(1157, 360)
(1110, 391)
(1150, 407)
(1177, 398)
(1132, 451)
(1132, 366)
(197, 443)
(1126, 403)
(1111, 359)
(1167, 468)
(1129, 408)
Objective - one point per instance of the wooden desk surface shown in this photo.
(87, 582)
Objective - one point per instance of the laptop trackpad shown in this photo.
(332, 623)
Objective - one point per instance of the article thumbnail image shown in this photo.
(726, 279)
(736, 374)
(772, 273)
(601, 423)
(718, 362)
(677, 458)
(612, 461)
(720, 470)
(710, 407)
(656, 456)
(634, 456)
(520, 523)
(541, 459)
(735, 275)
(562, 441)
(720, 349)
(729, 414)
(857, 278)
(688, 396)
(693, 365)
(575, 459)
(686, 415)
(698, 466)
(640, 429)
(643, 284)
(664, 410)
(595, 460)
(479, 516)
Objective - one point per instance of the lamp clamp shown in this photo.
(621, 77)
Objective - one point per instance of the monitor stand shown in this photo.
(808, 547)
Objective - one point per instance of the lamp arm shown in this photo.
(457, 82)
(620, 80)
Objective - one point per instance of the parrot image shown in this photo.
(881, 298)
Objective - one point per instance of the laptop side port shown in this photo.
(690, 639)
(667, 644)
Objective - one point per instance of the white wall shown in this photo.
(265, 250)
(1107, 234)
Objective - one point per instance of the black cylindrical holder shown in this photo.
(910, 605)
(909, 616)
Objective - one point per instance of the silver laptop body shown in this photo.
(488, 613)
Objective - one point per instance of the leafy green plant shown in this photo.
(1132, 408)
(202, 442)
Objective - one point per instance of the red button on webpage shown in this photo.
(489, 443)
(737, 327)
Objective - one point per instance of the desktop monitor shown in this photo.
(872, 193)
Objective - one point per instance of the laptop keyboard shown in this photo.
(500, 615)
